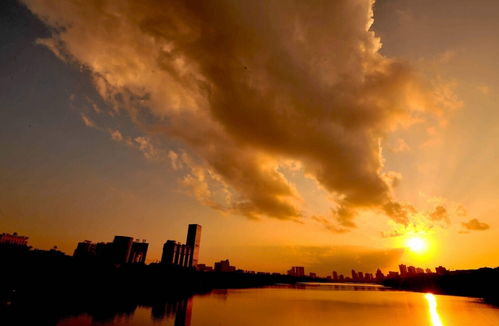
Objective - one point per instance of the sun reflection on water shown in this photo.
(432, 306)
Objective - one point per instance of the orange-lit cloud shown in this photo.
(246, 86)
(475, 225)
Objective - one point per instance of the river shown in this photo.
(304, 304)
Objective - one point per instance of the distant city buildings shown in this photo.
(297, 271)
(411, 270)
(224, 266)
(13, 239)
(204, 268)
(379, 275)
(123, 250)
(392, 274)
(183, 255)
(403, 269)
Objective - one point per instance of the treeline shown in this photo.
(479, 283)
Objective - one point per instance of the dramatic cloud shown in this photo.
(245, 86)
(475, 225)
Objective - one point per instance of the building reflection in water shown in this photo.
(432, 307)
(181, 310)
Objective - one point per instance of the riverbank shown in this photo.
(44, 286)
(480, 283)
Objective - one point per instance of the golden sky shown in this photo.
(323, 134)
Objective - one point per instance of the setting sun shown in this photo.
(416, 244)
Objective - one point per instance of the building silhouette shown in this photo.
(122, 246)
(123, 250)
(403, 270)
(193, 242)
(411, 270)
(392, 274)
(138, 252)
(85, 249)
(379, 275)
(335, 276)
(224, 266)
(13, 239)
(183, 255)
(170, 249)
(297, 271)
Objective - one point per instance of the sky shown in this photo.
(322, 134)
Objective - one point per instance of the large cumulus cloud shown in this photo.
(247, 85)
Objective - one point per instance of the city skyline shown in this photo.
(127, 250)
(101, 138)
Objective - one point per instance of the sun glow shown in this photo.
(417, 245)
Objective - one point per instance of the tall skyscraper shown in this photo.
(193, 241)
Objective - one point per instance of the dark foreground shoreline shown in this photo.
(43, 287)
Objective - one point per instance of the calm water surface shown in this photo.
(307, 304)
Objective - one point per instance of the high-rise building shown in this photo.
(138, 252)
(360, 276)
(122, 246)
(193, 241)
(170, 249)
(354, 275)
(428, 271)
(403, 269)
(419, 270)
(184, 255)
(335, 276)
